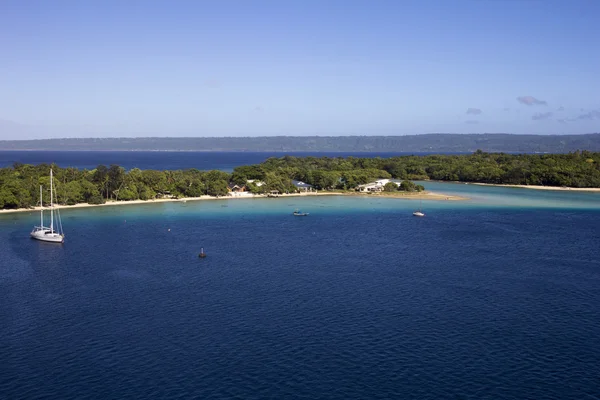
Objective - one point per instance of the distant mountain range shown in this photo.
(437, 142)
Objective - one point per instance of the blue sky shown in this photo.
(297, 67)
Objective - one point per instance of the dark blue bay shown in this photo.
(169, 160)
(357, 301)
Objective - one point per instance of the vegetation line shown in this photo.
(19, 184)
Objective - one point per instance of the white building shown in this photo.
(256, 182)
(376, 186)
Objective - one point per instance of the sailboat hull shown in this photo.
(46, 235)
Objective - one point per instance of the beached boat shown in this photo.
(44, 233)
(299, 213)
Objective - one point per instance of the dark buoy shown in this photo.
(202, 253)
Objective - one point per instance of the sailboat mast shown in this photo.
(41, 208)
(51, 205)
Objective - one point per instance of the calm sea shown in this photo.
(164, 160)
(493, 298)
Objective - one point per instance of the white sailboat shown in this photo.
(419, 213)
(44, 233)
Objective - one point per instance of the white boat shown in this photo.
(299, 213)
(49, 233)
(419, 213)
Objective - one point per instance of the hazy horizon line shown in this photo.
(298, 136)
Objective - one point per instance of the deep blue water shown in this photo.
(163, 160)
(359, 300)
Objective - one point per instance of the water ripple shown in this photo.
(472, 305)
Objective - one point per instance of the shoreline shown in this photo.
(536, 187)
(398, 195)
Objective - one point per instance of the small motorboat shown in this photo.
(299, 213)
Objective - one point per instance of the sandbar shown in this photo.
(397, 195)
(538, 187)
(426, 195)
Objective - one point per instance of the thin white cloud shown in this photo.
(531, 101)
(588, 116)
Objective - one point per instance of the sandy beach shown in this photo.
(540, 187)
(398, 195)
(426, 195)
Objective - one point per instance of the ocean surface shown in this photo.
(163, 160)
(497, 297)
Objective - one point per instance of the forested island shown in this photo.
(19, 184)
(435, 142)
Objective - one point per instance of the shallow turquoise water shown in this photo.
(496, 196)
(479, 197)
